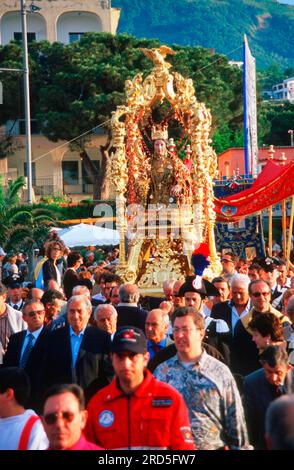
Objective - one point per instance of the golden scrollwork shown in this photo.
(132, 172)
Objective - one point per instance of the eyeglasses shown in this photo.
(51, 418)
(37, 312)
(259, 294)
(185, 330)
(225, 260)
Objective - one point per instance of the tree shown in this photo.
(76, 87)
(22, 227)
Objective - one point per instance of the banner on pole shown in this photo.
(250, 114)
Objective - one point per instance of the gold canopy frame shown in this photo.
(129, 171)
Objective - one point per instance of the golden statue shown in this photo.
(163, 199)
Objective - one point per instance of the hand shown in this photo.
(176, 190)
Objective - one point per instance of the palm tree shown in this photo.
(22, 227)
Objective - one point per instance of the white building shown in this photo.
(284, 90)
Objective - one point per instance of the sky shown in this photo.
(289, 2)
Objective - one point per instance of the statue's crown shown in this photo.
(159, 132)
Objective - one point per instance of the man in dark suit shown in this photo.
(232, 310)
(27, 349)
(262, 386)
(76, 353)
(129, 314)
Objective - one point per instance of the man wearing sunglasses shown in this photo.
(27, 348)
(136, 411)
(65, 417)
(244, 354)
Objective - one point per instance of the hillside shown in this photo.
(216, 24)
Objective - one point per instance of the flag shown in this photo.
(250, 115)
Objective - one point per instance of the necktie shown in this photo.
(24, 358)
(15, 307)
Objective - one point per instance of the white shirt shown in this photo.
(12, 427)
(236, 317)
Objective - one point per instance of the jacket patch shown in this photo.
(106, 418)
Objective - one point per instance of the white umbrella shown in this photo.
(86, 235)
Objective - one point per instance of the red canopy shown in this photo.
(272, 185)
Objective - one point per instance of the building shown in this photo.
(284, 91)
(55, 168)
(57, 20)
(231, 161)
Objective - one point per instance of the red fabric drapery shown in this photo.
(272, 185)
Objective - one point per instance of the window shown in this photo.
(33, 172)
(30, 36)
(70, 172)
(73, 37)
(89, 178)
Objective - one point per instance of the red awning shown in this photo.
(274, 184)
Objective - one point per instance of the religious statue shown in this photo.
(170, 179)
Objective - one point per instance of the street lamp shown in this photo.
(27, 100)
(290, 131)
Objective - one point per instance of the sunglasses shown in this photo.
(259, 294)
(51, 418)
(38, 312)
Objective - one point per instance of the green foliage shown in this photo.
(218, 24)
(279, 119)
(21, 226)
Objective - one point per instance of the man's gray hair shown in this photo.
(83, 290)
(240, 279)
(129, 293)
(80, 298)
(279, 423)
(105, 307)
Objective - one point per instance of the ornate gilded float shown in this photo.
(164, 198)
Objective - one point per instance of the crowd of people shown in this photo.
(87, 363)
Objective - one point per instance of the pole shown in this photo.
(284, 227)
(270, 230)
(290, 131)
(27, 100)
(246, 130)
(290, 232)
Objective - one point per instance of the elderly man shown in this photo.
(232, 310)
(244, 351)
(128, 311)
(65, 418)
(27, 349)
(207, 385)
(136, 411)
(269, 273)
(260, 388)
(11, 322)
(156, 327)
(105, 318)
(75, 352)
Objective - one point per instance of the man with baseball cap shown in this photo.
(136, 411)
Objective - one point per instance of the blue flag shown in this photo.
(250, 114)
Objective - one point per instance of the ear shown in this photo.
(84, 417)
(146, 358)
(202, 334)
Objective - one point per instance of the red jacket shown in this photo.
(154, 417)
